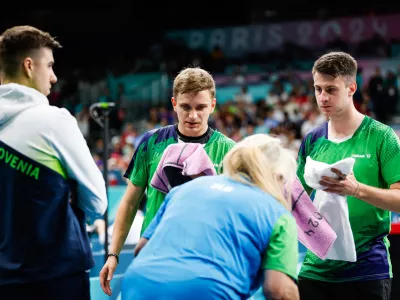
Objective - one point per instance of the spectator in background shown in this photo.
(122, 99)
(377, 95)
(244, 96)
(83, 119)
(218, 59)
(128, 133)
(391, 92)
(312, 121)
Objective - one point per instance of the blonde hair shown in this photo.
(262, 161)
(193, 80)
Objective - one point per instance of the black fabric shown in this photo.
(203, 139)
(394, 250)
(320, 290)
(75, 286)
(175, 176)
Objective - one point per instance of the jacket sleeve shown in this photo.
(74, 154)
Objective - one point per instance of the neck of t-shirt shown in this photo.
(345, 128)
(203, 139)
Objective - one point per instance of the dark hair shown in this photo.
(18, 42)
(337, 64)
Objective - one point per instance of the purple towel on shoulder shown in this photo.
(314, 232)
(178, 163)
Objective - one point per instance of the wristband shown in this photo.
(115, 255)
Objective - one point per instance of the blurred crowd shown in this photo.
(288, 115)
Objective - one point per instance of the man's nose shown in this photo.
(193, 114)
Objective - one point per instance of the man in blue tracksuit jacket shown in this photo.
(44, 248)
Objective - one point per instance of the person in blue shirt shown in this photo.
(225, 236)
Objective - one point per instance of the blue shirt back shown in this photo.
(210, 229)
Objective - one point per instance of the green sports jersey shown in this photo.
(376, 150)
(148, 155)
(282, 253)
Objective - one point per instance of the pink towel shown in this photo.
(178, 163)
(314, 232)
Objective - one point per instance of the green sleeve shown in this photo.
(389, 158)
(219, 149)
(282, 253)
(301, 162)
(137, 172)
(228, 146)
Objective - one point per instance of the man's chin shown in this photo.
(192, 130)
(194, 127)
(46, 92)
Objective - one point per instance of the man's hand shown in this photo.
(106, 274)
(342, 185)
(387, 199)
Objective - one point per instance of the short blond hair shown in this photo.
(191, 80)
(262, 161)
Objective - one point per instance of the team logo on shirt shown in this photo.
(19, 164)
(221, 187)
(361, 155)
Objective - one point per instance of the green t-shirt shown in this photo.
(148, 155)
(376, 150)
(283, 252)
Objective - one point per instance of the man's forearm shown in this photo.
(388, 199)
(287, 292)
(279, 286)
(123, 221)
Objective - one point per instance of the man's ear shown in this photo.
(174, 103)
(352, 89)
(28, 67)
(213, 104)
